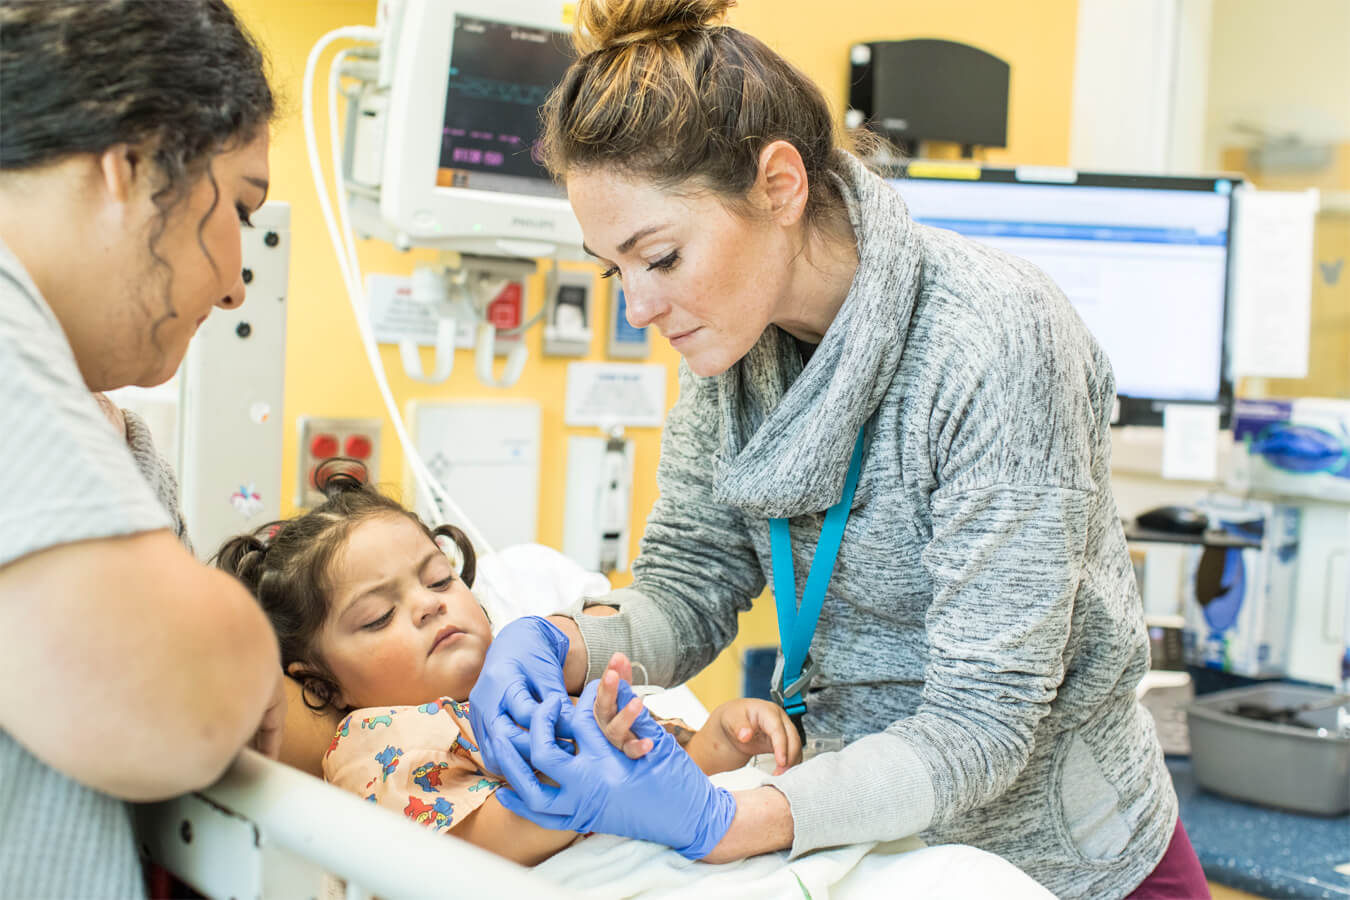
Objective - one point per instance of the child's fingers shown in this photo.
(621, 664)
(618, 731)
(606, 698)
(772, 730)
(636, 749)
(794, 742)
(738, 728)
(622, 724)
(772, 726)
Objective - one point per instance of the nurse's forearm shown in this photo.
(763, 823)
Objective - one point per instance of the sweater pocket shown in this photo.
(1089, 803)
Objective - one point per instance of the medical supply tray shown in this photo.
(1302, 769)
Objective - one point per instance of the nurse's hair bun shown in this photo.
(602, 24)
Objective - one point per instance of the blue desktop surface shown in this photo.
(1259, 850)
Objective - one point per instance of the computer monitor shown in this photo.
(1144, 260)
(460, 169)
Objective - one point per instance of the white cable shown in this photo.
(430, 485)
(349, 267)
(335, 159)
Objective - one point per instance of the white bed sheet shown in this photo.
(603, 867)
(535, 580)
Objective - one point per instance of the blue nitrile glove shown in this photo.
(523, 666)
(662, 797)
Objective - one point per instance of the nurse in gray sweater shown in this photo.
(980, 635)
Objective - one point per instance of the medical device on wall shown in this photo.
(598, 506)
(219, 419)
(442, 110)
(456, 127)
(1143, 259)
(569, 313)
(232, 384)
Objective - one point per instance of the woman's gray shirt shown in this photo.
(982, 635)
(72, 479)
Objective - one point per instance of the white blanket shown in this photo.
(533, 580)
(608, 868)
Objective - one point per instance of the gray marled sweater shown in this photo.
(982, 636)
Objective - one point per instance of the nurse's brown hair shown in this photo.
(663, 91)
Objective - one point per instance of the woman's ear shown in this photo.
(119, 166)
(783, 182)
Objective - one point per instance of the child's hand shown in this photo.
(617, 724)
(758, 726)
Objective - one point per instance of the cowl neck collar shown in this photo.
(788, 431)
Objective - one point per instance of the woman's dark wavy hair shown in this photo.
(180, 79)
(287, 566)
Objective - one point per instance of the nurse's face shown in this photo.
(199, 267)
(708, 279)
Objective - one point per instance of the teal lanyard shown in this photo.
(797, 625)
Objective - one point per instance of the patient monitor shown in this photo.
(439, 151)
(458, 168)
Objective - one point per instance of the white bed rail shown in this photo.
(266, 830)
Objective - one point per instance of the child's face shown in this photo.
(402, 628)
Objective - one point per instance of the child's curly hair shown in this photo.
(286, 565)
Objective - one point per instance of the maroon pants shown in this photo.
(1178, 875)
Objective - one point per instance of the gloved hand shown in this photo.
(661, 797)
(523, 666)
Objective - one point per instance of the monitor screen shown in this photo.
(1143, 259)
(500, 74)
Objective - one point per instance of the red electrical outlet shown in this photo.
(507, 309)
(323, 438)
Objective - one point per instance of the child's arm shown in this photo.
(495, 828)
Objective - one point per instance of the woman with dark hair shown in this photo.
(905, 432)
(133, 147)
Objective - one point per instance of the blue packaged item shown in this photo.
(1298, 448)
(1239, 600)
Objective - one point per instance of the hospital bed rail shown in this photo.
(266, 830)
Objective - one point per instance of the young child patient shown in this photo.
(374, 620)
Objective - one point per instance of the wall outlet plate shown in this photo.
(625, 341)
(570, 316)
(325, 438)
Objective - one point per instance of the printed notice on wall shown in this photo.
(608, 394)
(1190, 442)
(396, 317)
(1272, 275)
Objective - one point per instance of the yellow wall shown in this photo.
(326, 372)
(1036, 38)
